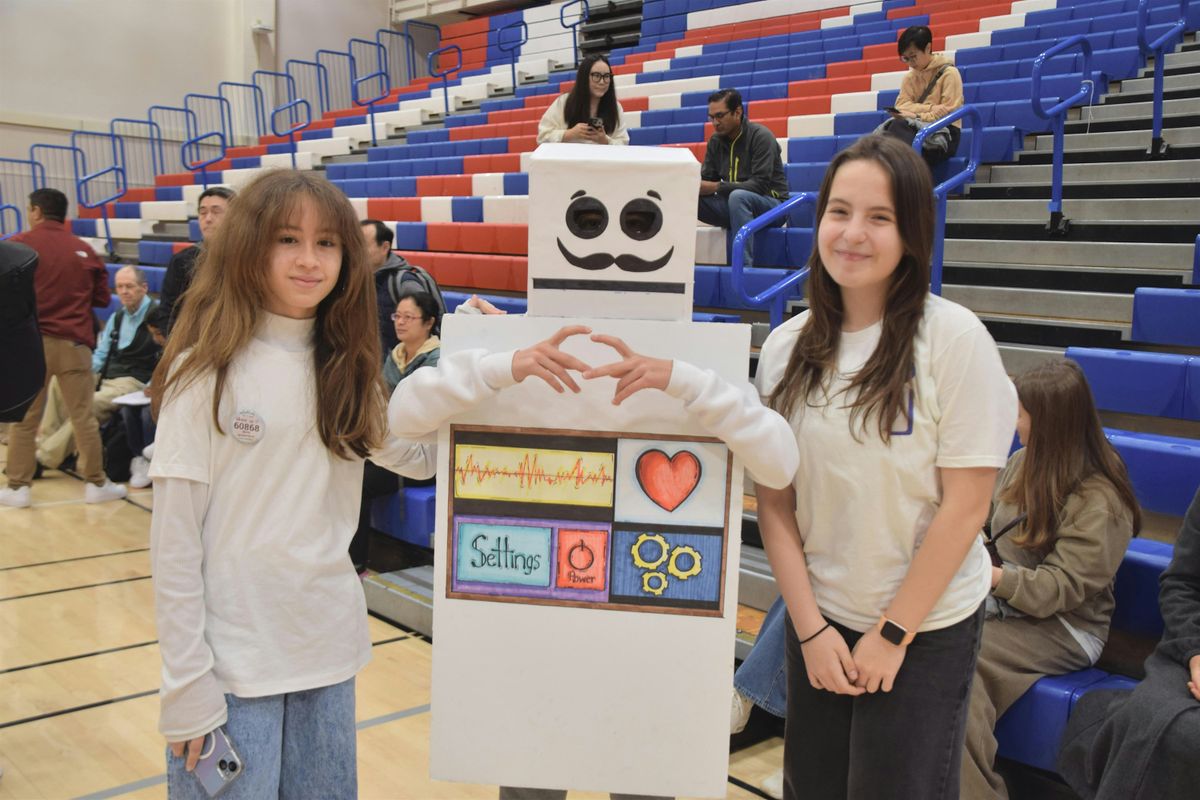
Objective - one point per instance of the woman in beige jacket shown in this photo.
(592, 99)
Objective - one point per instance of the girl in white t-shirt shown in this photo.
(270, 400)
(903, 415)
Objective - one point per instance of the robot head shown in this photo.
(612, 231)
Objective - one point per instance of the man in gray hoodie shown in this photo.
(742, 176)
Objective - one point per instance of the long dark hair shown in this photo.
(225, 302)
(579, 102)
(428, 307)
(1065, 447)
(879, 389)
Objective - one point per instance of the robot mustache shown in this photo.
(626, 262)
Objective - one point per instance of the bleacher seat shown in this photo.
(1167, 316)
(1165, 470)
(1131, 382)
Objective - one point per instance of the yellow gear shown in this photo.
(654, 590)
(658, 539)
(694, 569)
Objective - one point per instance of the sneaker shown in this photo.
(773, 785)
(17, 498)
(739, 712)
(148, 451)
(139, 472)
(103, 493)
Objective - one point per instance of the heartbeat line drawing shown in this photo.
(484, 472)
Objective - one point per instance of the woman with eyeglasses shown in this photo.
(418, 321)
(589, 113)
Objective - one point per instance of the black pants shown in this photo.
(906, 743)
(377, 482)
(932, 155)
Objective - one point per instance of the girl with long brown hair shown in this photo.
(903, 415)
(269, 397)
(1064, 514)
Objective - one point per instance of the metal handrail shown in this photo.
(226, 111)
(409, 47)
(1196, 262)
(431, 61)
(191, 125)
(515, 49)
(157, 161)
(323, 96)
(583, 18)
(942, 191)
(1057, 114)
(775, 293)
(260, 103)
(379, 74)
(412, 53)
(299, 126)
(1158, 148)
(202, 166)
(17, 212)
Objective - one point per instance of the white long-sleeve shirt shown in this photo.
(554, 124)
(761, 438)
(254, 592)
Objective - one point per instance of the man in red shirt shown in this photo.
(69, 281)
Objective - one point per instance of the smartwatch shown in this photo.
(894, 632)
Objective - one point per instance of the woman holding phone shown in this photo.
(589, 113)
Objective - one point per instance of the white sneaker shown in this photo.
(139, 472)
(148, 451)
(102, 494)
(773, 784)
(17, 498)
(740, 707)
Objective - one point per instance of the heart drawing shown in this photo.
(668, 481)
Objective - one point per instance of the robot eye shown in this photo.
(587, 217)
(641, 219)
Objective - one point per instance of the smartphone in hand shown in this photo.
(893, 111)
(219, 763)
(597, 123)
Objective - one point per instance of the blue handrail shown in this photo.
(412, 52)
(431, 61)
(190, 124)
(260, 104)
(202, 166)
(157, 162)
(291, 132)
(583, 17)
(322, 81)
(1157, 48)
(942, 191)
(514, 49)
(1057, 114)
(1196, 262)
(776, 293)
(224, 111)
(4, 228)
(407, 53)
(379, 74)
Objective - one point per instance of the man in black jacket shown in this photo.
(210, 211)
(742, 176)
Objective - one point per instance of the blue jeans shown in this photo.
(763, 675)
(732, 211)
(296, 745)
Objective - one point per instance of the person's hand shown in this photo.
(997, 574)
(878, 661)
(633, 372)
(484, 306)
(581, 132)
(1194, 683)
(708, 187)
(549, 363)
(194, 748)
(829, 664)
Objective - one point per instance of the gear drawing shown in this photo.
(673, 566)
(654, 590)
(663, 554)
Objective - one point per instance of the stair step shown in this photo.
(1114, 140)
(1110, 309)
(1114, 155)
(1021, 329)
(1145, 231)
(1189, 80)
(1096, 190)
(1147, 96)
(1109, 211)
(1140, 110)
(1081, 123)
(1119, 280)
(1116, 172)
(1131, 256)
(1020, 358)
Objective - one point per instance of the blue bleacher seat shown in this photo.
(1165, 470)
(1134, 382)
(1167, 316)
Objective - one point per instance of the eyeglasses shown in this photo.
(720, 115)
(406, 317)
(601, 77)
(910, 59)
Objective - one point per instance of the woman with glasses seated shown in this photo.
(418, 321)
(589, 113)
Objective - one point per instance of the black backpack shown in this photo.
(401, 281)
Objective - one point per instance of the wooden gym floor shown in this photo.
(79, 667)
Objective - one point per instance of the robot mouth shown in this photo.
(626, 262)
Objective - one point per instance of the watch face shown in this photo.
(892, 632)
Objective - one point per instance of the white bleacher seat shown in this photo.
(127, 228)
(1026, 6)
(166, 210)
(437, 209)
(360, 207)
(304, 160)
(854, 101)
(669, 100)
(710, 245)
(1002, 22)
(885, 81)
(810, 125)
(506, 209)
(837, 22)
(961, 41)
(487, 183)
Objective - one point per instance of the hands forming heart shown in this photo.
(633, 372)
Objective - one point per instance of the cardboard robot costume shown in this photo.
(586, 553)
